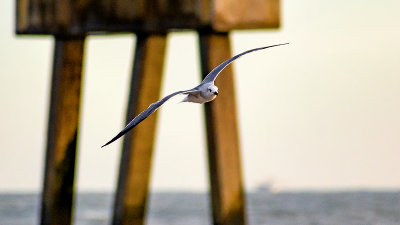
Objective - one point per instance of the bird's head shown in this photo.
(213, 89)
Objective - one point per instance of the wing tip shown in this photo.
(286, 43)
(105, 144)
(111, 141)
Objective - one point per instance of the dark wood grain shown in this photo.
(58, 187)
(82, 17)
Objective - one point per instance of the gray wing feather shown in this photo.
(214, 73)
(143, 115)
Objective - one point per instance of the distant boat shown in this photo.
(264, 188)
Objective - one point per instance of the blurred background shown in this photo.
(319, 114)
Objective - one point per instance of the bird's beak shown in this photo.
(216, 93)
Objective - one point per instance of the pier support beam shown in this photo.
(58, 187)
(134, 175)
(227, 195)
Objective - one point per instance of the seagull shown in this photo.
(206, 91)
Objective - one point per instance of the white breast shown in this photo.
(199, 98)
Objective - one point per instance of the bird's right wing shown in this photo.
(143, 115)
(214, 73)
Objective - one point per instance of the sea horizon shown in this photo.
(351, 207)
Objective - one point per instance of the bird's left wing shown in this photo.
(214, 73)
(143, 115)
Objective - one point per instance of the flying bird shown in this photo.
(206, 91)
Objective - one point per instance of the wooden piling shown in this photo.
(227, 195)
(134, 174)
(58, 187)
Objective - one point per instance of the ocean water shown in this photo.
(330, 208)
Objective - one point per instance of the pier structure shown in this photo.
(70, 22)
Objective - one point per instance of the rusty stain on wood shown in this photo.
(22, 12)
(245, 14)
(222, 135)
(135, 168)
(58, 187)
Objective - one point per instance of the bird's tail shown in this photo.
(185, 99)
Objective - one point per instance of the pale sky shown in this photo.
(321, 113)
